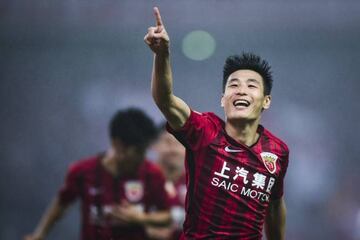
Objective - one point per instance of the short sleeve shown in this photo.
(278, 190)
(198, 131)
(70, 189)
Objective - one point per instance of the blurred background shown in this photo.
(66, 66)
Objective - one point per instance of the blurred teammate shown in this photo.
(170, 157)
(235, 169)
(120, 192)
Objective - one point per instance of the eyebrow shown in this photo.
(253, 80)
(247, 80)
(233, 80)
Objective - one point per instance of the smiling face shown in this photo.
(244, 98)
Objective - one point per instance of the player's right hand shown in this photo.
(157, 38)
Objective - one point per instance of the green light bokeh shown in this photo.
(198, 45)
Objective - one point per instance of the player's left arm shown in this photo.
(275, 220)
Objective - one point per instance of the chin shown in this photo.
(235, 117)
(241, 116)
(249, 113)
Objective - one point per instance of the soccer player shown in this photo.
(235, 169)
(170, 157)
(120, 191)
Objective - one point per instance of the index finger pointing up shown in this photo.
(158, 17)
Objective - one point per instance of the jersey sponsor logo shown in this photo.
(238, 179)
(228, 149)
(269, 160)
(134, 190)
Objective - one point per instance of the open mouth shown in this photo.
(241, 103)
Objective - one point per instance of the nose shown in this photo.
(241, 90)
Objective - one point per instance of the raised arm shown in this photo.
(175, 110)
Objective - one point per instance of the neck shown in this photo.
(244, 132)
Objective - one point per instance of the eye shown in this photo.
(252, 86)
(233, 85)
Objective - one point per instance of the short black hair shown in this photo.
(248, 61)
(132, 127)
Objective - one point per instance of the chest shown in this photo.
(235, 169)
(104, 189)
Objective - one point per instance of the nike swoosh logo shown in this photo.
(227, 149)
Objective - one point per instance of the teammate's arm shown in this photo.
(160, 233)
(275, 220)
(128, 213)
(157, 218)
(175, 110)
(49, 218)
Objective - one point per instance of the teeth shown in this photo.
(241, 102)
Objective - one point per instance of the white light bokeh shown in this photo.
(198, 45)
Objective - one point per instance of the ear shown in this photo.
(267, 102)
(222, 100)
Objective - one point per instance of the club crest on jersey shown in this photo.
(134, 190)
(269, 160)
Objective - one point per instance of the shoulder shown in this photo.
(213, 117)
(83, 165)
(150, 169)
(280, 144)
(198, 120)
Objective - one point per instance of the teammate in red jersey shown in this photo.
(120, 192)
(235, 169)
(170, 157)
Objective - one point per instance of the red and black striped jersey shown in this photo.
(98, 191)
(229, 185)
